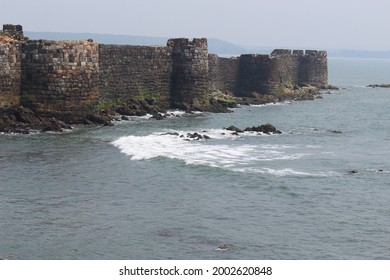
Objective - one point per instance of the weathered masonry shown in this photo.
(67, 79)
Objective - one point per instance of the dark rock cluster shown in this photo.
(136, 107)
(379, 85)
(264, 128)
(23, 120)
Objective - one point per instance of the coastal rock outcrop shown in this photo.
(23, 120)
(379, 85)
(264, 128)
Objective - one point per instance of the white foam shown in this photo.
(179, 113)
(272, 104)
(232, 156)
(146, 117)
(284, 172)
(176, 113)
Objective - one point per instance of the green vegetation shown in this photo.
(143, 95)
(110, 103)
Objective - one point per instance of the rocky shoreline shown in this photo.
(21, 120)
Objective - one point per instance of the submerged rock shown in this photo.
(264, 128)
(235, 129)
(379, 85)
(195, 136)
(222, 247)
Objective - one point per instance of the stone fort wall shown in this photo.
(60, 78)
(135, 72)
(10, 74)
(67, 79)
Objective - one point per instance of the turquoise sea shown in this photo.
(137, 191)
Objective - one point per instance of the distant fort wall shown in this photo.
(67, 79)
(224, 73)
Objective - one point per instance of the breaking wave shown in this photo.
(221, 151)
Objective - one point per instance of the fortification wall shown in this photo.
(258, 74)
(67, 79)
(263, 74)
(287, 64)
(135, 71)
(10, 71)
(313, 68)
(60, 78)
(190, 68)
(223, 73)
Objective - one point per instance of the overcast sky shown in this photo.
(326, 24)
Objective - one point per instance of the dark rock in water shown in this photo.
(265, 128)
(172, 133)
(54, 125)
(222, 247)
(379, 85)
(100, 119)
(124, 118)
(195, 136)
(235, 133)
(235, 129)
(353, 172)
(336, 131)
(269, 128)
(330, 87)
(158, 116)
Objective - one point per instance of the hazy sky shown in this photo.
(327, 24)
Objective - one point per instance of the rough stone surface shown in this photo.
(190, 80)
(135, 72)
(10, 71)
(73, 80)
(60, 78)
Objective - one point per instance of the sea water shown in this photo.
(137, 190)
